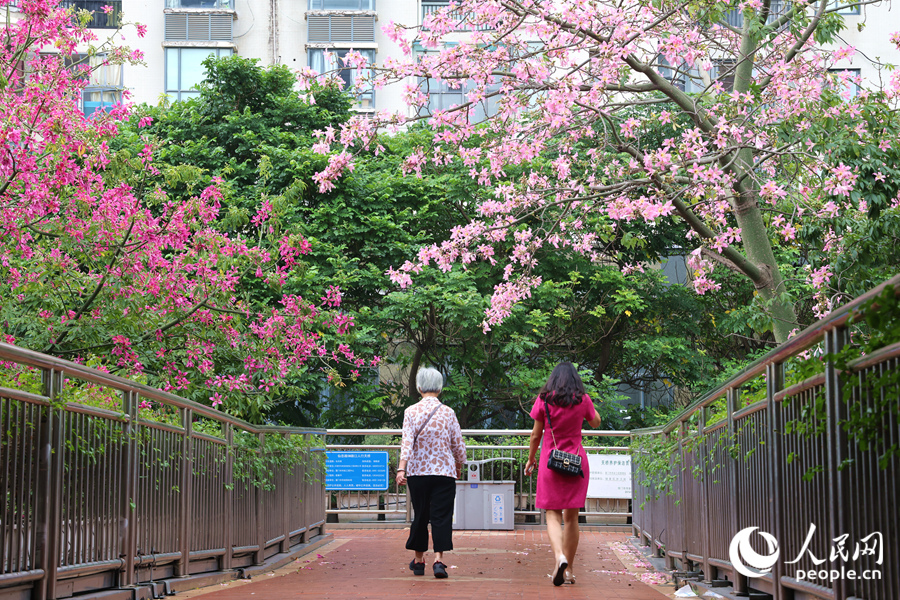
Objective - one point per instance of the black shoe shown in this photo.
(440, 570)
(417, 568)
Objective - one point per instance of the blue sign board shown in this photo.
(356, 471)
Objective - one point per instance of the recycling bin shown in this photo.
(483, 504)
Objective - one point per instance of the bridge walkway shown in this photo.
(488, 565)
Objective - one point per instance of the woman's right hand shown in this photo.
(401, 477)
(529, 466)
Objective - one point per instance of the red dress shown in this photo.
(555, 490)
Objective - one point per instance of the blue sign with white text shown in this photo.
(356, 471)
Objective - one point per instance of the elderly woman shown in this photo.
(431, 458)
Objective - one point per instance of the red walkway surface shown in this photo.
(490, 565)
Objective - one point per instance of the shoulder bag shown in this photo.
(559, 461)
(419, 430)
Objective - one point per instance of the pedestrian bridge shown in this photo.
(779, 484)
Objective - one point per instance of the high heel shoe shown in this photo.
(570, 578)
(559, 575)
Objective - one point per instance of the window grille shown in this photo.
(341, 28)
(198, 26)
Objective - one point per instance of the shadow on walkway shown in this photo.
(491, 565)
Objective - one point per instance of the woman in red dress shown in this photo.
(561, 495)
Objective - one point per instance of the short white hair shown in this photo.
(429, 380)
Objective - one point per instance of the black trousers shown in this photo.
(432, 499)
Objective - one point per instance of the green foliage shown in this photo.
(877, 392)
(249, 127)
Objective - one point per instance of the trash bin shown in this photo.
(483, 504)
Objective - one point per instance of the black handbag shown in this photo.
(560, 461)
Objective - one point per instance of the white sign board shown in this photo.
(497, 509)
(610, 476)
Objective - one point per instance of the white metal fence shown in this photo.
(509, 445)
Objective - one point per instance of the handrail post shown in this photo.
(733, 402)
(838, 442)
(305, 488)
(671, 514)
(127, 513)
(229, 497)
(260, 554)
(50, 488)
(682, 435)
(776, 461)
(186, 490)
(286, 497)
(703, 451)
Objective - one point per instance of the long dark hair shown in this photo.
(563, 387)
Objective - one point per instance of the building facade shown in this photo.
(317, 33)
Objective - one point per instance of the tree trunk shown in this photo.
(754, 233)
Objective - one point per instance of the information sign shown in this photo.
(610, 476)
(356, 471)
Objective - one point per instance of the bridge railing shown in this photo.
(97, 498)
(763, 451)
(392, 504)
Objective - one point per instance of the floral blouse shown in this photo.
(439, 447)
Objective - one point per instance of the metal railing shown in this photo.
(391, 504)
(99, 499)
(99, 18)
(201, 4)
(777, 9)
(462, 20)
(780, 461)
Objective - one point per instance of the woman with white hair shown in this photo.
(431, 458)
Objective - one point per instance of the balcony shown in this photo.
(461, 18)
(99, 18)
(201, 4)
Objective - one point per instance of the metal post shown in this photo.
(260, 554)
(838, 443)
(682, 434)
(50, 466)
(186, 490)
(705, 536)
(671, 515)
(776, 461)
(734, 494)
(287, 498)
(127, 529)
(305, 496)
(229, 497)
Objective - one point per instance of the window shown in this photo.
(777, 8)
(185, 71)
(202, 4)
(326, 60)
(341, 4)
(847, 80)
(724, 73)
(440, 95)
(676, 76)
(100, 19)
(432, 6)
(104, 82)
(844, 8)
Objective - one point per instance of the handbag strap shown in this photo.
(550, 423)
(421, 427)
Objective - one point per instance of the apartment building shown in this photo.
(297, 33)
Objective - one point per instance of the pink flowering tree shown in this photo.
(575, 93)
(99, 264)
